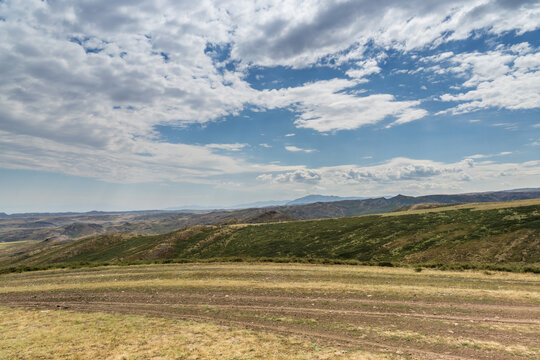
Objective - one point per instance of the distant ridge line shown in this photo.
(489, 196)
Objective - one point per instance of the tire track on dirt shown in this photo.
(345, 339)
(347, 342)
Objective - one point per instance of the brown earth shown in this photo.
(404, 325)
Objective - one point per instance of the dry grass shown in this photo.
(386, 311)
(360, 280)
(472, 206)
(7, 249)
(380, 290)
(60, 334)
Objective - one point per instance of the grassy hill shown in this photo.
(494, 233)
(69, 226)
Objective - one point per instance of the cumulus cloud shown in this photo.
(83, 85)
(297, 176)
(101, 76)
(363, 69)
(399, 169)
(410, 175)
(503, 78)
(327, 106)
(303, 32)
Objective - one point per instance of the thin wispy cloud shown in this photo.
(482, 156)
(229, 147)
(297, 149)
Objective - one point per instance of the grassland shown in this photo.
(199, 308)
(61, 334)
(433, 207)
(501, 235)
(281, 311)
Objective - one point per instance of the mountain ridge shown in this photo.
(305, 200)
(160, 222)
(503, 233)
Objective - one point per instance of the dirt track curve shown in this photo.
(426, 325)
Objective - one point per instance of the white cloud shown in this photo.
(83, 85)
(363, 69)
(504, 78)
(100, 76)
(289, 135)
(297, 149)
(506, 125)
(131, 162)
(410, 176)
(438, 57)
(398, 169)
(298, 176)
(327, 106)
(229, 147)
(265, 146)
(299, 33)
(483, 156)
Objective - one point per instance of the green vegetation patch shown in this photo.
(492, 239)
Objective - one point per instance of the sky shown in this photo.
(128, 104)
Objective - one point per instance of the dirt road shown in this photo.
(427, 315)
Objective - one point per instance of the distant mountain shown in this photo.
(523, 189)
(260, 204)
(310, 199)
(65, 227)
(342, 208)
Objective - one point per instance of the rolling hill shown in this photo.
(66, 227)
(503, 233)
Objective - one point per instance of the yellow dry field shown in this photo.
(472, 206)
(63, 334)
(268, 311)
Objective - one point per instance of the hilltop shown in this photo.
(69, 226)
(503, 233)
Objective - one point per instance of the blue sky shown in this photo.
(140, 105)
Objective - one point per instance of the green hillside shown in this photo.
(490, 235)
